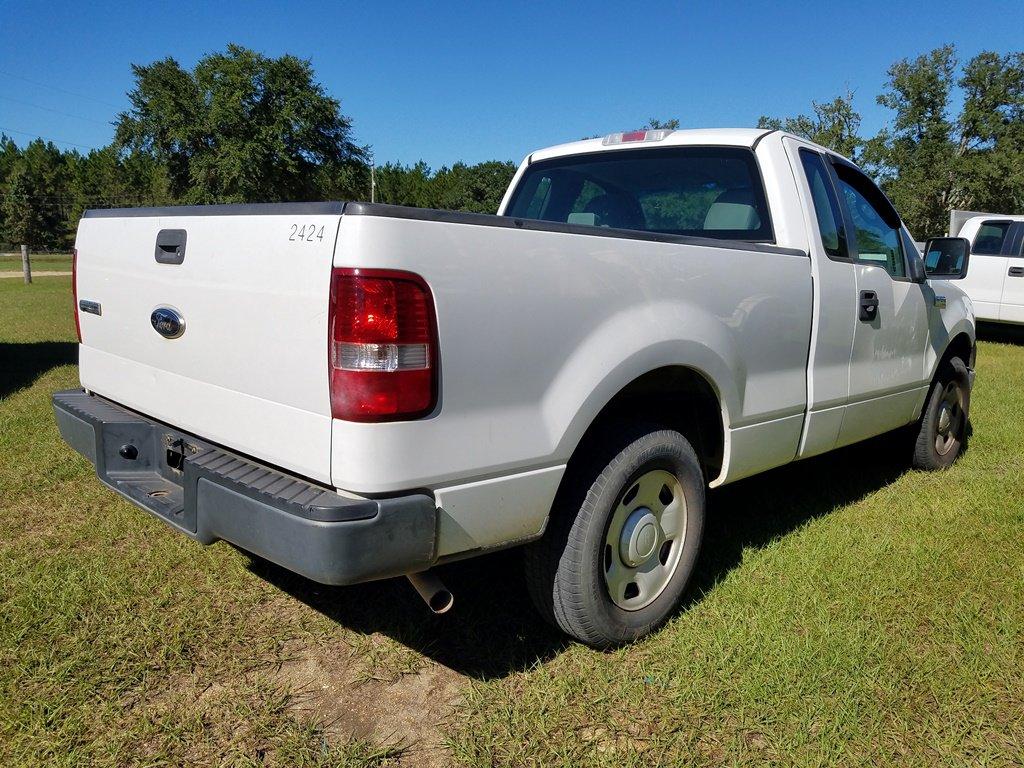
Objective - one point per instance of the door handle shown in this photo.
(1016, 272)
(868, 306)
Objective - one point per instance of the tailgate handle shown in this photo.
(170, 246)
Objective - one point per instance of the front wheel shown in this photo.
(942, 431)
(623, 540)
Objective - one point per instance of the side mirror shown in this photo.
(946, 258)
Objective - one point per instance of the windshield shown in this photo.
(700, 191)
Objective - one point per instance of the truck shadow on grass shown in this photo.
(1002, 333)
(21, 364)
(493, 630)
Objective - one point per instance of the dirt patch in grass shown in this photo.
(330, 687)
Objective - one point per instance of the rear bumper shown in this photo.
(211, 494)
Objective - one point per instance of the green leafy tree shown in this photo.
(10, 154)
(916, 159)
(474, 188)
(404, 185)
(239, 127)
(25, 220)
(655, 124)
(835, 124)
(108, 178)
(930, 159)
(991, 133)
(36, 197)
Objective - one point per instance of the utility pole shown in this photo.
(373, 182)
(26, 267)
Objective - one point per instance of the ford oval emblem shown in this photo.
(167, 322)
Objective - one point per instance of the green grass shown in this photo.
(121, 642)
(848, 611)
(851, 612)
(56, 262)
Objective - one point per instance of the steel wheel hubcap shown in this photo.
(640, 537)
(950, 418)
(645, 539)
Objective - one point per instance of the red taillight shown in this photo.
(383, 345)
(74, 292)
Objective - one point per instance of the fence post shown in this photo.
(26, 267)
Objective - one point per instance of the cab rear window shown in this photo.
(700, 191)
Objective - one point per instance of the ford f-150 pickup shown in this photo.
(357, 391)
(996, 281)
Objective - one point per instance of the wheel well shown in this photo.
(674, 397)
(961, 346)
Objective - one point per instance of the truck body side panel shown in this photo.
(539, 330)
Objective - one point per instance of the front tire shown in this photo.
(623, 540)
(942, 431)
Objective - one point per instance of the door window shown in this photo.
(990, 237)
(876, 225)
(826, 207)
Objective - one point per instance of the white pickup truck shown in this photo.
(996, 280)
(358, 391)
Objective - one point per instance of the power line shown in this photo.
(36, 135)
(55, 111)
(61, 90)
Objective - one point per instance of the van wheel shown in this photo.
(942, 431)
(623, 539)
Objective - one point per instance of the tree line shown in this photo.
(932, 157)
(243, 127)
(239, 127)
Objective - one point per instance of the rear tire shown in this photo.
(624, 537)
(942, 430)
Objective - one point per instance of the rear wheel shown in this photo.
(942, 431)
(624, 538)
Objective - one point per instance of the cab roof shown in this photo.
(730, 137)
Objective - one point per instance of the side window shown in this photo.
(990, 237)
(875, 223)
(826, 207)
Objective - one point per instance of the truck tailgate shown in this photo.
(250, 369)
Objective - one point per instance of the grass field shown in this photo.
(848, 611)
(11, 262)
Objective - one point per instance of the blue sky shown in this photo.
(449, 81)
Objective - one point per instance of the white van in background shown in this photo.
(995, 282)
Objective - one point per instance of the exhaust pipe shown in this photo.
(434, 593)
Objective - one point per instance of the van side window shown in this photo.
(990, 237)
(826, 207)
(875, 222)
